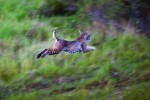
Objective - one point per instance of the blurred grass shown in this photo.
(121, 55)
(118, 69)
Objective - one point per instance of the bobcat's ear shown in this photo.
(80, 32)
(88, 32)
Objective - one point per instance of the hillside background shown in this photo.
(119, 68)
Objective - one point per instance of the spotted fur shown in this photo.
(71, 47)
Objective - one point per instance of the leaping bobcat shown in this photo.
(78, 45)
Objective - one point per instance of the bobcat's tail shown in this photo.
(42, 54)
(54, 35)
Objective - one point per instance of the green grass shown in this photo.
(117, 69)
(77, 74)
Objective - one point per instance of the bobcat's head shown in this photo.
(85, 35)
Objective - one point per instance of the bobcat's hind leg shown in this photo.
(44, 54)
(41, 54)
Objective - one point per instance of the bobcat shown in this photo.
(78, 45)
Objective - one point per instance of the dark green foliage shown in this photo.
(58, 7)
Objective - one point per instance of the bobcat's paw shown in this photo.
(91, 48)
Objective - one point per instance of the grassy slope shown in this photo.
(118, 69)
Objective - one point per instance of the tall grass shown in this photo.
(117, 69)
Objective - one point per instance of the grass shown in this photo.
(78, 74)
(118, 69)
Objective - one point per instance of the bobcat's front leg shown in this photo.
(84, 48)
(87, 48)
(90, 48)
